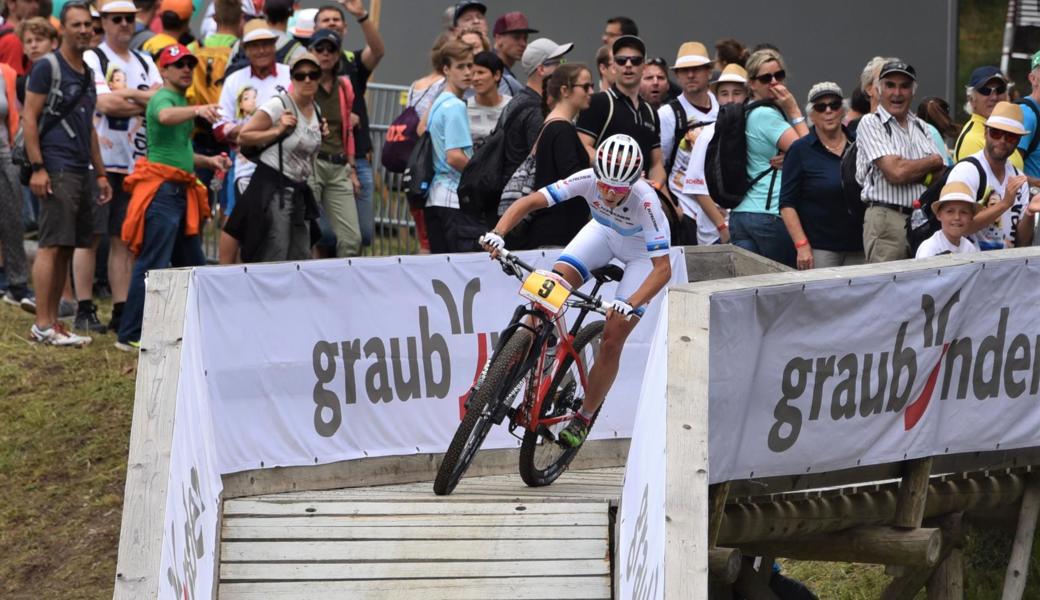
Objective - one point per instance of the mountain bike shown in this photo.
(539, 361)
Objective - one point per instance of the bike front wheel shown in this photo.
(542, 460)
(501, 377)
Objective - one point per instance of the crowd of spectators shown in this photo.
(135, 132)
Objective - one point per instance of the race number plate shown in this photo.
(546, 289)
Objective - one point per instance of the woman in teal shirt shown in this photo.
(755, 224)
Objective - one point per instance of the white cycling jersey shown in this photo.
(640, 214)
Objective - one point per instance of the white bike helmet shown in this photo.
(619, 161)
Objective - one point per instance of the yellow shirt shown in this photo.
(157, 42)
(973, 138)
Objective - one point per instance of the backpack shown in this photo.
(208, 77)
(401, 136)
(50, 109)
(680, 131)
(1029, 103)
(418, 175)
(725, 162)
(915, 236)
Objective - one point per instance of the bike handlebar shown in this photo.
(512, 265)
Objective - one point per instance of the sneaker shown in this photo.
(128, 346)
(87, 321)
(66, 309)
(57, 335)
(573, 435)
(16, 293)
(28, 304)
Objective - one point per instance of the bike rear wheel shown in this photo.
(501, 377)
(542, 460)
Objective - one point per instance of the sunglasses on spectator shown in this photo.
(121, 19)
(184, 63)
(621, 61)
(987, 90)
(1007, 136)
(821, 107)
(325, 49)
(768, 78)
(657, 61)
(617, 190)
(585, 86)
(302, 75)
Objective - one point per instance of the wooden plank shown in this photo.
(686, 468)
(151, 434)
(493, 588)
(255, 551)
(1018, 566)
(433, 532)
(517, 520)
(718, 494)
(251, 507)
(409, 570)
(947, 582)
(913, 493)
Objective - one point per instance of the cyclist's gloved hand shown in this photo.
(622, 308)
(492, 242)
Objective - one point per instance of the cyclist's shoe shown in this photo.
(87, 321)
(573, 435)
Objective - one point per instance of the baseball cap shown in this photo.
(981, 75)
(117, 6)
(324, 35)
(628, 41)
(465, 5)
(897, 66)
(182, 8)
(824, 88)
(304, 57)
(957, 191)
(541, 50)
(257, 30)
(512, 22)
(732, 73)
(303, 27)
(691, 54)
(1007, 117)
(174, 53)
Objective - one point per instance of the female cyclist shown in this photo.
(628, 225)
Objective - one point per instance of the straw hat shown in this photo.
(732, 73)
(1007, 117)
(111, 7)
(691, 54)
(956, 191)
(257, 30)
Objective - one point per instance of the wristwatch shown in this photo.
(36, 167)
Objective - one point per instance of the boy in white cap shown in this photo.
(955, 209)
(1006, 194)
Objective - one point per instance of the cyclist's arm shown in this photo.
(518, 210)
(654, 282)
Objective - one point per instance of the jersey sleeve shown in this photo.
(666, 117)
(579, 184)
(694, 183)
(656, 231)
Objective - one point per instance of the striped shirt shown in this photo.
(880, 134)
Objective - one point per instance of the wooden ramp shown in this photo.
(493, 538)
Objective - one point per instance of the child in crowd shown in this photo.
(955, 209)
(38, 37)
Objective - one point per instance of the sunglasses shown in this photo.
(617, 190)
(768, 78)
(987, 90)
(621, 61)
(585, 86)
(121, 19)
(302, 75)
(657, 61)
(821, 107)
(184, 63)
(1007, 136)
(325, 49)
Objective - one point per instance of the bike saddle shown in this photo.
(608, 273)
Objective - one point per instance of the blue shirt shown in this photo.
(60, 150)
(1032, 163)
(763, 129)
(449, 129)
(812, 186)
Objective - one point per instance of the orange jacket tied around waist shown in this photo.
(142, 186)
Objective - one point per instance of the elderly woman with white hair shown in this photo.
(811, 201)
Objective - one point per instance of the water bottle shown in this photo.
(217, 183)
(917, 217)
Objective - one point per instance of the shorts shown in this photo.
(108, 218)
(596, 246)
(67, 214)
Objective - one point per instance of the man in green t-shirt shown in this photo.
(165, 214)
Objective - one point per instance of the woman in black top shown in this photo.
(559, 154)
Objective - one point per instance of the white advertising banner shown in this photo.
(837, 374)
(324, 361)
(640, 549)
(188, 568)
